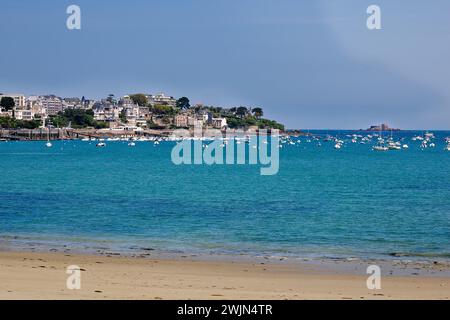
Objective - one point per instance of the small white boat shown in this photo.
(337, 146)
(101, 144)
(405, 146)
(393, 146)
(131, 144)
(380, 148)
(429, 135)
(48, 144)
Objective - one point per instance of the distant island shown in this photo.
(382, 127)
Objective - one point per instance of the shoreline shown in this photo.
(394, 265)
(39, 275)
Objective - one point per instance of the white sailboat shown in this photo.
(380, 146)
(48, 144)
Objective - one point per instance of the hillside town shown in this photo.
(132, 112)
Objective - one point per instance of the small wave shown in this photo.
(421, 254)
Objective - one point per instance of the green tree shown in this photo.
(77, 117)
(241, 111)
(235, 122)
(250, 121)
(32, 124)
(183, 103)
(152, 125)
(140, 99)
(257, 112)
(8, 123)
(101, 124)
(163, 109)
(123, 116)
(7, 103)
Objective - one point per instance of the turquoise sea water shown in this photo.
(351, 202)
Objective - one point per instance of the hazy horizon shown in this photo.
(312, 64)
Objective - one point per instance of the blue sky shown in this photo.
(309, 64)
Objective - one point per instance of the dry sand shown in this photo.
(26, 275)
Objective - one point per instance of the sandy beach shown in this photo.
(37, 275)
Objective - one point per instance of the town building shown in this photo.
(219, 123)
(106, 111)
(34, 104)
(161, 99)
(52, 104)
(23, 114)
(19, 99)
(74, 103)
(135, 114)
(4, 113)
(181, 120)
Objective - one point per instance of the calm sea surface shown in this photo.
(352, 202)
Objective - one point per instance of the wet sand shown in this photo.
(40, 275)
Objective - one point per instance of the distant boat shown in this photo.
(429, 135)
(328, 138)
(101, 144)
(393, 146)
(337, 146)
(380, 148)
(48, 144)
(131, 144)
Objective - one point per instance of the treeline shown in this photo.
(11, 123)
(236, 122)
(77, 118)
(237, 117)
(243, 117)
